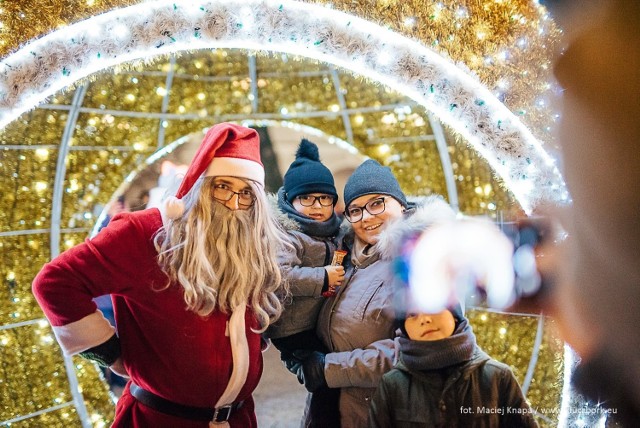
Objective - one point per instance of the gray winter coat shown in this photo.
(357, 325)
(303, 268)
(302, 264)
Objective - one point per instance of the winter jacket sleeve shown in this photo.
(303, 281)
(106, 264)
(380, 408)
(512, 397)
(361, 367)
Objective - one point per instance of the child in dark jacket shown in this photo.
(443, 379)
(307, 198)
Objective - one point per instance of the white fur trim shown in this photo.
(429, 210)
(118, 368)
(240, 353)
(84, 334)
(172, 208)
(236, 167)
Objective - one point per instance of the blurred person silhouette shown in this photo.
(143, 200)
(120, 205)
(591, 280)
(595, 273)
(171, 175)
(104, 303)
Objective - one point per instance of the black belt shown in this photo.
(149, 399)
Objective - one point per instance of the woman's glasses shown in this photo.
(223, 193)
(373, 207)
(309, 200)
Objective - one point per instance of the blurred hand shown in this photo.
(543, 236)
(558, 296)
(459, 258)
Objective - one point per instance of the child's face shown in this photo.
(318, 206)
(426, 327)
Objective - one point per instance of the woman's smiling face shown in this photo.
(368, 229)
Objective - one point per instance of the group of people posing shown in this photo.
(201, 285)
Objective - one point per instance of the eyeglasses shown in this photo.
(373, 207)
(309, 200)
(223, 193)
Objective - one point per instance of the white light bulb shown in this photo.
(384, 58)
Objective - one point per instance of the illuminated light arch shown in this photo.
(457, 98)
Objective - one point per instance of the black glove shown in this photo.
(293, 360)
(104, 354)
(292, 364)
(311, 372)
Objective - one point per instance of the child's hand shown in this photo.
(336, 276)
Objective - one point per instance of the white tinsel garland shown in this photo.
(51, 63)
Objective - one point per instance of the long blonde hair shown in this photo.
(224, 258)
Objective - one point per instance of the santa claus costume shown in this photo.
(186, 370)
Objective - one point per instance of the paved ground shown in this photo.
(279, 397)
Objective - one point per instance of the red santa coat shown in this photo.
(166, 349)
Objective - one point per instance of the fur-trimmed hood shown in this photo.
(283, 219)
(423, 212)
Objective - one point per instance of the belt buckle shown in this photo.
(223, 412)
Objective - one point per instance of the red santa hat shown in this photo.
(227, 149)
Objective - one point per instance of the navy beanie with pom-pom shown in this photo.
(372, 178)
(307, 174)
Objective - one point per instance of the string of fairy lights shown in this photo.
(128, 112)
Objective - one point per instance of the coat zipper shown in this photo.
(340, 291)
(327, 254)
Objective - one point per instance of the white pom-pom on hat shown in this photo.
(173, 208)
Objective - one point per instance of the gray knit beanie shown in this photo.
(372, 178)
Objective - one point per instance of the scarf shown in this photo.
(438, 354)
(309, 226)
(363, 254)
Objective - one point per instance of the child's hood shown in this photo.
(283, 219)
